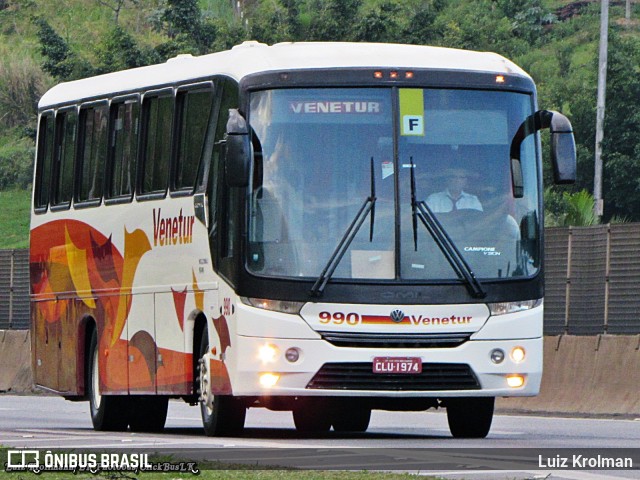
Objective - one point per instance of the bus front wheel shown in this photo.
(351, 418)
(470, 417)
(108, 412)
(221, 414)
(312, 415)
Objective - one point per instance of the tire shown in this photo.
(226, 415)
(312, 415)
(108, 412)
(351, 418)
(470, 417)
(148, 413)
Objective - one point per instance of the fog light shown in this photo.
(292, 355)
(517, 354)
(267, 353)
(515, 381)
(269, 380)
(497, 355)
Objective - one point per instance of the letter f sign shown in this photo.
(413, 125)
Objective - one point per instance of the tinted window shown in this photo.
(194, 111)
(45, 159)
(66, 127)
(157, 150)
(94, 152)
(124, 147)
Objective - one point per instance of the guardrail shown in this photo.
(592, 279)
(14, 289)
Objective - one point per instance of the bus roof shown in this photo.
(253, 57)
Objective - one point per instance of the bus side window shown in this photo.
(44, 161)
(156, 150)
(193, 112)
(93, 152)
(64, 153)
(123, 148)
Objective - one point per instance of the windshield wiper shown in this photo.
(369, 206)
(420, 210)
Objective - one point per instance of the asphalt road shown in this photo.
(44, 422)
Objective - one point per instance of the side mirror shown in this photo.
(563, 148)
(238, 150)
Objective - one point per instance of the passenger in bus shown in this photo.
(454, 197)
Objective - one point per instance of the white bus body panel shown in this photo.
(522, 329)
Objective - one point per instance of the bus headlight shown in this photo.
(268, 380)
(515, 381)
(517, 354)
(267, 353)
(502, 308)
(274, 305)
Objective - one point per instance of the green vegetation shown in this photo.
(14, 218)
(556, 41)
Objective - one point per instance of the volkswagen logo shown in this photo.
(397, 316)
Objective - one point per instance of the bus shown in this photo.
(321, 228)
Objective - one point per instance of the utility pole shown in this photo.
(627, 12)
(602, 89)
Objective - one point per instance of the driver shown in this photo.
(453, 197)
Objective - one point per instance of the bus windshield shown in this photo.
(318, 152)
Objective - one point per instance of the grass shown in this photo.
(14, 218)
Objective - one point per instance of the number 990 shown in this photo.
(339, 318)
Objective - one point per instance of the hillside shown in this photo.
(556, 41)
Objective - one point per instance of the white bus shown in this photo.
(325, 228)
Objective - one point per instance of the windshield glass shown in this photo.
(313, 171)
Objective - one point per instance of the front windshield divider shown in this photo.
(373, 203)
(367, 207)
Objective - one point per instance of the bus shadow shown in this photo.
(293, 434)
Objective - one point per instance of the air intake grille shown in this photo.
(397, 340)
(360, 376)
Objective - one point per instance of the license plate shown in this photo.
(397, 365)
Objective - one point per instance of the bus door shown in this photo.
(142, 351)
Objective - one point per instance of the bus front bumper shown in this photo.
(260, 367)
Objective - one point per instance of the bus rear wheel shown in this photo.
(470, 417)
(222, 415)
(108, 412)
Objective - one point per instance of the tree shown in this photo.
(380, 24)
(119, 51)
(621, 146)
(115, 6)
(333, 20)
(477, 25)
(59, 61)
(569, 209)
(272, 22)
(420, 28)
(528, 18)
(186, 29)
